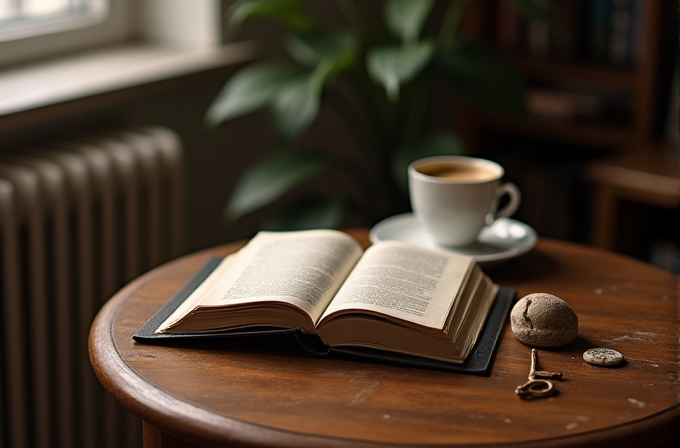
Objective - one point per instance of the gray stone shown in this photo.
(543, 320)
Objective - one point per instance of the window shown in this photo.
(34, 29)
(25, 18)
(138, 42)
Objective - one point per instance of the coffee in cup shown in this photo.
(459, 172)
(455, 197)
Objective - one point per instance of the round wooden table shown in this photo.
(269, 392)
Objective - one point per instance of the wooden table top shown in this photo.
(269, 392)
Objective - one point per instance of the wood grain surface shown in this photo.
(269, 392)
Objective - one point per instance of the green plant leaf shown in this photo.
(440, 143)
(479, 74)
(249, 89)
(290, 13)
(405, 18)
(394, 66)
(332, 65)
(270, 179)
(297, 103)
(309, 213)
(295, 106)
(312, 48)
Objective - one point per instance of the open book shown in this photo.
(394, 297)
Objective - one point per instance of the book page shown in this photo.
(195, 298)
(404, 281)
(303, 268)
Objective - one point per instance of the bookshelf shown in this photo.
(598, 94)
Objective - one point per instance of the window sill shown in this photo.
(95, 79)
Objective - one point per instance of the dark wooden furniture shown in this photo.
(269, 392)
(640, 79)
(651, 178)
(631, 128)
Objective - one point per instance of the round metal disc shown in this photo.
(602, 357)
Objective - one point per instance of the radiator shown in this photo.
(78, 219)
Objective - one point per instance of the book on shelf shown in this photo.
(599, 32)
(394, 301)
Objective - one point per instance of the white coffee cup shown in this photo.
(455, 197)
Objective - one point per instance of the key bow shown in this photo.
(535, 389)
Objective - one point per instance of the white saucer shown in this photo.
(503, 240)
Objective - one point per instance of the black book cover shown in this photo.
(478, 361)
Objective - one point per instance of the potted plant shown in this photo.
(380, 80)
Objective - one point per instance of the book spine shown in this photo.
(599, 30)
(562, 46)
(635, 36)
(595, 31)
(580, 28)
(620, 32)
(538, 35)
(508, 28)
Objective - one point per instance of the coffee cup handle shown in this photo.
(515, 198)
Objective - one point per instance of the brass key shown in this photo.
(537, 388)
(533, 373)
